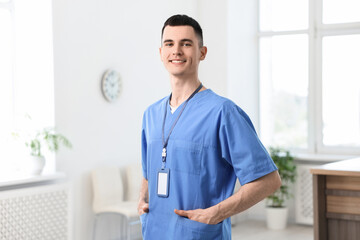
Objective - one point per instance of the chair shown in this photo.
(116, 192)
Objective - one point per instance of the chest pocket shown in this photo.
(187, 157)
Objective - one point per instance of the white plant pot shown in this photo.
(276, 218)
(35, 165)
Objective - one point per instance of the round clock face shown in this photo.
(111, 85)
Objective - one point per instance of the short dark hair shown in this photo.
(184, 20)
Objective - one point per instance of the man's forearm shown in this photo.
(144, 191)
(248, 195)
(143, 205)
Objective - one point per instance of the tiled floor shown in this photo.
(257, 230)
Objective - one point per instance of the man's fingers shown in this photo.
(145, 207)
(182, 213)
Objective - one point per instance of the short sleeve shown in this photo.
(144, 149)
(241, 147)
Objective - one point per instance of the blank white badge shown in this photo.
(163, 183)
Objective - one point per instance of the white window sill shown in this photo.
(18, 179)
(321, 158)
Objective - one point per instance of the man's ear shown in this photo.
(203, 51)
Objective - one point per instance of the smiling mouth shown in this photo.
(177, 61)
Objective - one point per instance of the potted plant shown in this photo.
(276, 211)
(35, 143)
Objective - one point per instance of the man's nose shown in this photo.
(177, 50)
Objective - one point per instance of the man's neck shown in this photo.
(182, 89)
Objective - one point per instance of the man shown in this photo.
(194, 146)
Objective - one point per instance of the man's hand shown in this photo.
(208, 215)
(143, 207)
(248, 195)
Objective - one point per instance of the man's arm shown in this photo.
(143, 205)
(248, 195)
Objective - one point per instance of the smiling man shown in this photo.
(194, 146)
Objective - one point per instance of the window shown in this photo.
(6, 75)
(309, 56)
(26, 73)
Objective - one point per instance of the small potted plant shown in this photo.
(276, 211)
(35, 144)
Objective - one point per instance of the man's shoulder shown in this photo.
(221, 103)
(227, 109)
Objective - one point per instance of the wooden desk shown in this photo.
(336, 188)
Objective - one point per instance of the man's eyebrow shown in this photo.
(186, 40)
(182, 40)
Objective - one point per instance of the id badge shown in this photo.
(163, 177)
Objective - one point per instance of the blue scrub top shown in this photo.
(213, 143)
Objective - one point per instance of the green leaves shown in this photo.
(287, 170)
(54, 140)
(50, 138)
(34, 146)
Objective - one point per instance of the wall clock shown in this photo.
(111, 85)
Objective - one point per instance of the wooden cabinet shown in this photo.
(336, 188)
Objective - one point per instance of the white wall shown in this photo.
(91, 36)
(242, 56)
(213, 71)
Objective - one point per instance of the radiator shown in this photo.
(35, 213)
(304, 195)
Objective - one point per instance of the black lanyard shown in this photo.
(165, 142)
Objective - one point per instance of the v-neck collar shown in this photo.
(167, 100)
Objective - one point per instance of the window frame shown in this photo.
(316, 31)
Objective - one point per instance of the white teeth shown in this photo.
(176, 61)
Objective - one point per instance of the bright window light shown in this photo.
(284, 90)
(344, 11)
(6, 76)
(26, 74)
(341, 90)
(283, 15)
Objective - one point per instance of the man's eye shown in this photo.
(169, 44)
(187, 44)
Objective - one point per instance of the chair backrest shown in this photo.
(107, 187)
(133, 176)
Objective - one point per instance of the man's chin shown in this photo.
(180, 74)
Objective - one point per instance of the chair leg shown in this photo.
(94, 228)
(128, 229)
